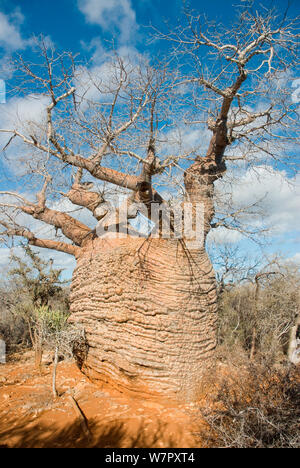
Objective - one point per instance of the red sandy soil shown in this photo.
(31, 418)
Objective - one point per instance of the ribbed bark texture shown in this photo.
(149, 310)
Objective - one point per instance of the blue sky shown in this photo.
(71, 22)
(68, 21)
(88, 26)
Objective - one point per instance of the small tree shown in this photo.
(61, 337)
(39, 286)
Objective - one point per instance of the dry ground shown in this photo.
(30, 417)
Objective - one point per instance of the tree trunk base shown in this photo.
(148, 307)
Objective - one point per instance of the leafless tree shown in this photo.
(232, 266)
(62, 339)
(258, 315)
(149, 305)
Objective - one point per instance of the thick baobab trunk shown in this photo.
(149, 311)
(148, 306)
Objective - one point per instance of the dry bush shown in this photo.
(13, 330)
(258, 407)
(272, 316)
(32, 288)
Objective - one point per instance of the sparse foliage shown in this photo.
(260, 408)
(39, 287)
(61, 338)
(271, 311)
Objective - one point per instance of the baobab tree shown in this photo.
(148, 303)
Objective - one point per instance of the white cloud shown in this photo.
(221, 235)
(98, 82)
(88, 81)
(277, 197)
(10, 35)
(20, 112)
(112, 14)
(26, 114)
(99, 54)
(6, 68)
(184, 139)
(295, 258)
(10, 40)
